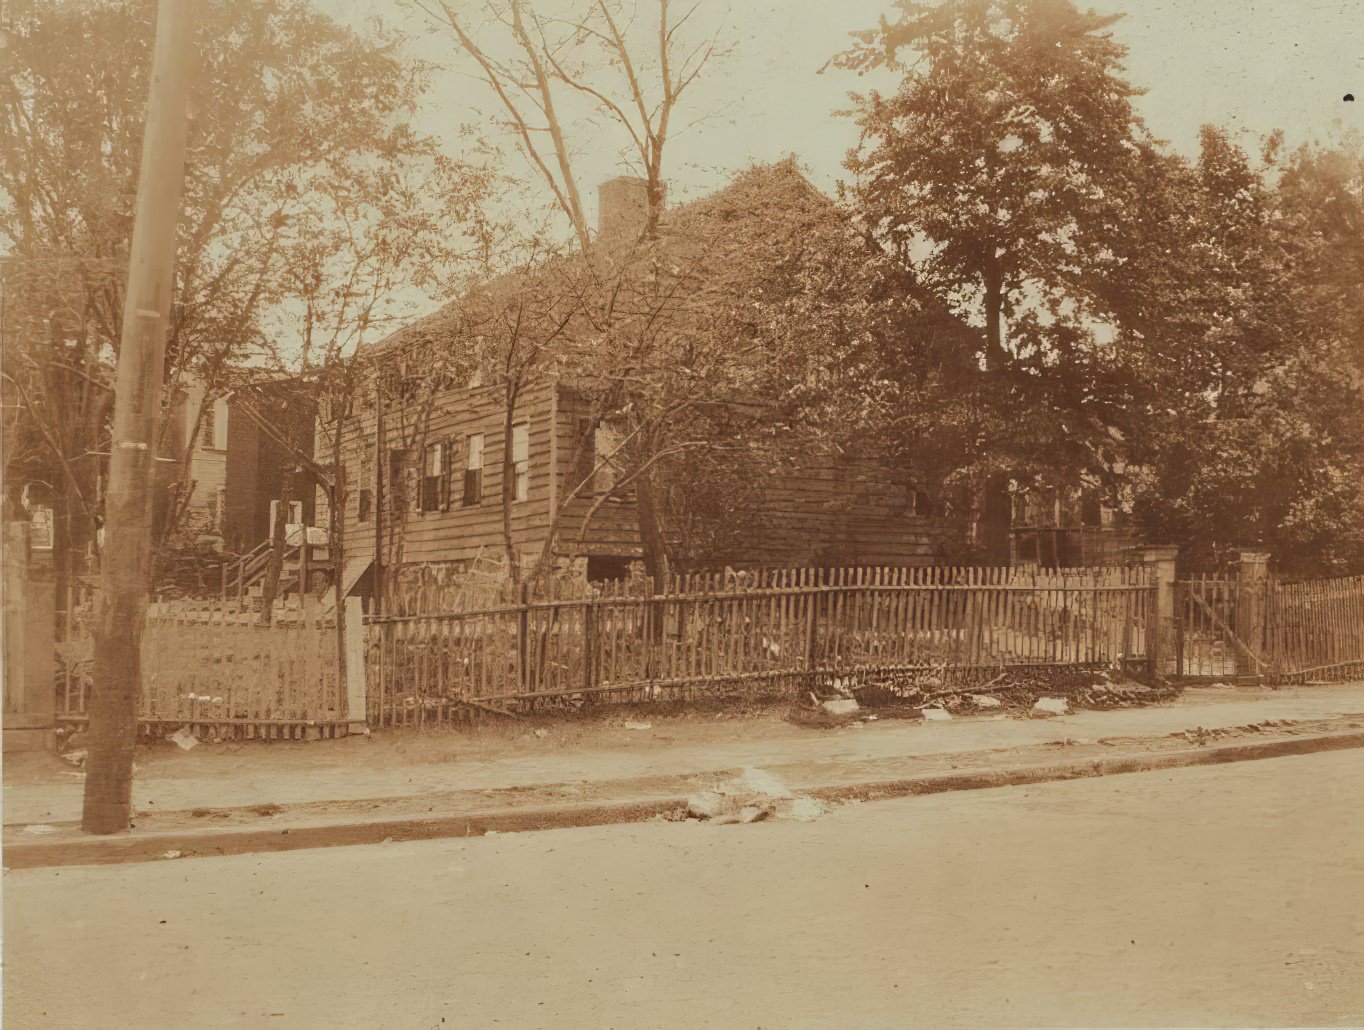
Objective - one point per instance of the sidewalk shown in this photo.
(247, 793)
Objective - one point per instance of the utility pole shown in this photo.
(380, 470)
(122, 608)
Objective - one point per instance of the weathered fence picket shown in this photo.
(1227, 628)
(220, 672)
(705, 632)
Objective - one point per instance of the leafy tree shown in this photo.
(995, 172)
(1242, 355)
(305, 185)
(557, 75)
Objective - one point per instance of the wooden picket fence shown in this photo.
(1227, 628)
(753, 631)
(1315, 629)
(217, 670)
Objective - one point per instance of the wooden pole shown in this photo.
(337, 539)
(279, 532)
(377, 575)
(137, 410)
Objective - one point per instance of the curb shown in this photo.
(157, 846)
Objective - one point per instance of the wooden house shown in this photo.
(426, 469)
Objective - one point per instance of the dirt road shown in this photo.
(1231, 896)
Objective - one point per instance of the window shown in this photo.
(916, 501)
(473, 470)
(584, 458)
(295, 515)
(433, 469)
(606, 441)
(447, 474)
(365, 485)
(1091, 510)
(397, 481)
(208, 425)
(520, 445)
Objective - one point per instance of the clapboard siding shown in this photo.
(456, 532)
(816, 510)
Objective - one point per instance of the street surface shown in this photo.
(1228, 896)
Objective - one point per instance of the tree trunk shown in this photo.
(337, 546)
(650, 521)
(508, 490)
(996, 521)
(993, 279)
(380, 458)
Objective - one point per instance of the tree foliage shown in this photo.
(309, 199)
(1243, 355)
(1184, 333)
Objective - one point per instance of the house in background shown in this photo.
(260, 469)
(207, 460)
(235, 469)
(1069, 528)
(441, 505)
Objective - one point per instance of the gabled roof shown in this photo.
(764, 209)
(731, 245)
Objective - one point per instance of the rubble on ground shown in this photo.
(184, 739)
(841, 706)
(751, 797)
(854, 699)
(1200, 736)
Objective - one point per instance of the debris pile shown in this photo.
(1026, 692)
(184, 739)
(1200, 736)
(751, 797)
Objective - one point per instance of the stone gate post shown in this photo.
(1252, 580)
(1160, 559)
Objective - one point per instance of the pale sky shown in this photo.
(1255, 66)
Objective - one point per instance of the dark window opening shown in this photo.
(208, 425)
(433, 467)
(473, 470)
(584, 459)
(397, 474)
(608, 567)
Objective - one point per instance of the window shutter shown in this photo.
(414, 477)
(446, 473)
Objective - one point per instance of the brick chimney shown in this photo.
(622, 207)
